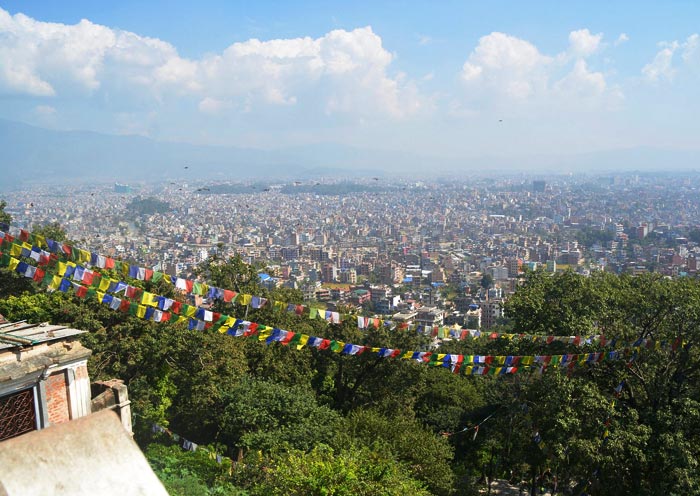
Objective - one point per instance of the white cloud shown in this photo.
(623, 38)
(583, 44)
(341, 72)
(44, 110)
(581, 82)
(507, 65)
(210, 105)
(424, 40)
(662, 66)
(504, 70)
(691, 50)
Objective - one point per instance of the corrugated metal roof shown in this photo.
(18, 334)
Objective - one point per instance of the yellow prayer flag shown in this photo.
(104, 283)
(246, 299)
(55, 281)
(141, 311)
(99, 295)
(224, 329)
(61, 268)
(15, 250)
(40, 241)
(15, 262)
(302, 341)
(191, 311)
(147, 298)
(84, 256)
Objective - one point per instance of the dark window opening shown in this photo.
(17, 414)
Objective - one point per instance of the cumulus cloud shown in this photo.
(661, 68)
(507, 64)
(348, 70)
(44, 110)
(623, 38)
(691, 50)
(581, 82)
(503, 65)
(583, 44)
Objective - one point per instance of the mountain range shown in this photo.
(30, 154)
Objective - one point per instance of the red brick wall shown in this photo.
(57, 398)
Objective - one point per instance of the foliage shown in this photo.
(265, 415)
(52, 230)
(323, 472)
(5, 218)
(315, 422)
(189, 473)
(406, 440)
(147, 206)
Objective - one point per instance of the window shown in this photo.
(17, 414)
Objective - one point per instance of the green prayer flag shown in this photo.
(296, 339)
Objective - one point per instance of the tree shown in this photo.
(486, 281)
(187, 473)
(323, 472)
(52, 230)
(406, 440)
(264, 415)
(5, 218)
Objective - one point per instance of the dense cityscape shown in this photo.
(432, 253)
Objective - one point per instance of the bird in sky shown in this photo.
(187, 167)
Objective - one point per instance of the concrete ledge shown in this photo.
(88, 456)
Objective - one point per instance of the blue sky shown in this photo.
(455, 79)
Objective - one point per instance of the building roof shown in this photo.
(21, 334)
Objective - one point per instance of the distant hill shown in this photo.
(30, 154)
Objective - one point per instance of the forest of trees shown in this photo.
(312, 422)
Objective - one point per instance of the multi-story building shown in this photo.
(491, 311)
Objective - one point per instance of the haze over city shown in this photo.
(457, 86)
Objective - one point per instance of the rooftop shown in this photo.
(21, 334)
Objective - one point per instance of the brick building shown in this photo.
(44, 380)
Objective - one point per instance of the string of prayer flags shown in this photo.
(200, 319)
